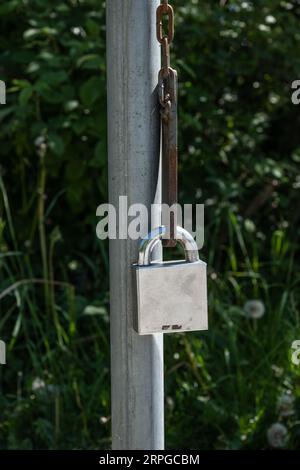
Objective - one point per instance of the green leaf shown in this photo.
(90, 91)
(54, 78)
(5, 112)
(21, 84)
(92, 27)
(25, 95)
(30, 33)
(99, 159)
(89, 61)
(8, 7)
(56, 144)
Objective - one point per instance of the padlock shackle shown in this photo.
(153, 238)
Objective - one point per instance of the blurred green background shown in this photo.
(233, 387)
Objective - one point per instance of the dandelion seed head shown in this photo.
(277, 436)
(37, 384)
(286, 405)
(254, 309)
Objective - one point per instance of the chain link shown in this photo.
(165, 39)
(165, 9)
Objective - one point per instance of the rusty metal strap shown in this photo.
(168, 100)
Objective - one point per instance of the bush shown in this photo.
(239, 154)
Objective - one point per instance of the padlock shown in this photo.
(171, 296)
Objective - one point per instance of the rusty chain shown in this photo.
(167, 92)
(165, 9)
(167, 86)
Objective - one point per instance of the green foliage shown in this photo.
(239, 154)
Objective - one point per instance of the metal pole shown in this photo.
(133, 62)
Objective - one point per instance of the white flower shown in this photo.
(254, 309)
(270, 19)
(286, 405)
(103, 420)
(264, 28)
(277, 436)
(78, 31)
(37, 384)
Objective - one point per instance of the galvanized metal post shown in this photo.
(133, 62)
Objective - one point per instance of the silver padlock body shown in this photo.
(171, 297)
